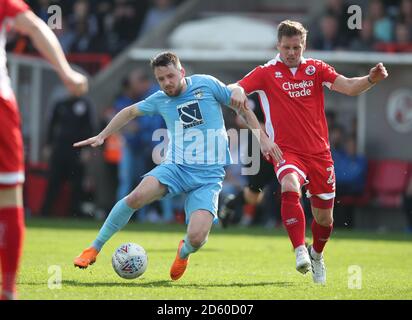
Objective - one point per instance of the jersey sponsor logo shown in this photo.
(189, 114)
(310, 70)
(298, 89)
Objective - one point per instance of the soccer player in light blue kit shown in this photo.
(198, 151)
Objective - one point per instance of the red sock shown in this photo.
(321, 235)
(293, 218)
(11, 242)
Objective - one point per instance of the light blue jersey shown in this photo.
(198, 144)
(194, 120)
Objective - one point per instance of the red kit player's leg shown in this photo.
(11, 243)
(291, 176)
(11, 208)
(321, 189)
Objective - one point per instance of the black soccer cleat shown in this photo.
(226, 212)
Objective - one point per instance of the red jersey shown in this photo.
(11, 143)
(293, 103)
(8, 10)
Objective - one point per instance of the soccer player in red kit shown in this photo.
(290, 89)
(17, 15)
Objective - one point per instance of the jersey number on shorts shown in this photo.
(331, 179)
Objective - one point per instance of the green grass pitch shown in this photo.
(241, 264)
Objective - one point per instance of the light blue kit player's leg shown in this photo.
(201, 212)
(202, 188)
(148, 190)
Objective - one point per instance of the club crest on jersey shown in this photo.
(310, 70)
(198, 94)
(189, 114)
(278, 74)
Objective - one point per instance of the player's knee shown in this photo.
(197, 239)
(135, 200)
(290, 183)
(324, 220)
(11, 197)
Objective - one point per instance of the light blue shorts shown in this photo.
(201, 184)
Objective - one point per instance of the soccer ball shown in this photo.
(129, 260)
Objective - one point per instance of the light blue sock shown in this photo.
(188, 248)
(117, 219)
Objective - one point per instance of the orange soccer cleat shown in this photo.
(86, 258)
(179, 265)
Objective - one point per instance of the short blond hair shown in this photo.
(289, 28)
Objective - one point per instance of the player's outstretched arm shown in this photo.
(357, 85)
(118, 121)
(46, 42)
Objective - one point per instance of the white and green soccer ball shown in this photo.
(129, 260)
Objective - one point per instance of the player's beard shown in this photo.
(176, 92)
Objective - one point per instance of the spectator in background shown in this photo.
(382, 24)
(339, 9)
(41, 9)
(328, 38)
(65, 35)
(158, 13)
(350, 172)
(124, 25)
(336, 138)
(137, 135)
(83, 41)
(350, 168)
(112, 153)
(104, 16)
(249, 199)
(365, 41)
(82, 14)
(330, 118)
(105, 38)
(136, 87)
(85, 27)
(403, 37)
(72, 118)
(407, 204)
(405, 13)
(402, 34)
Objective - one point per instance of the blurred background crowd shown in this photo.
(109, 26)
(100, 30)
